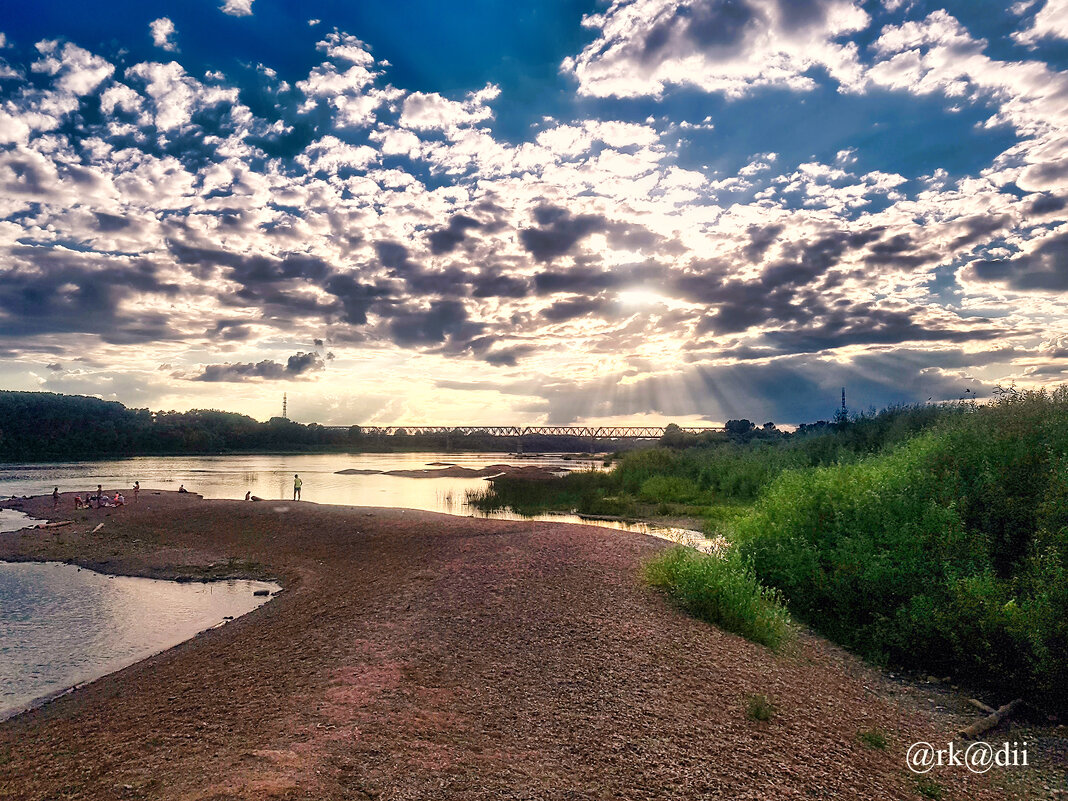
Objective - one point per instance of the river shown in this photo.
(61, 625)
(270, 476)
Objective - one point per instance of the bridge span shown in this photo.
(580, 432)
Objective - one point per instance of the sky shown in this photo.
(566, 212)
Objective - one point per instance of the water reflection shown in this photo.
(13, 520)
(270, 476)
(61, 625)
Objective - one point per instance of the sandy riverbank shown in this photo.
(417, 655)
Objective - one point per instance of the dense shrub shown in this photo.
(723, 591)
(671, 489)
(589, 492)
(947, 553)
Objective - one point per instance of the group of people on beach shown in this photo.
(98, 499)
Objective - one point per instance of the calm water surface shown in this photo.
(61, 625)
(13, 520)
(271, 477)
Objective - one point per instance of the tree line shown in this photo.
(48, 426)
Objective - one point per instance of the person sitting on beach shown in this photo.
(119, 500)
(248, 495)
(78, 503)
(181, 488)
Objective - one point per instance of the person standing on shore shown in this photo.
(99, 495)
(297, 484)
(136, 490)
(55, 498)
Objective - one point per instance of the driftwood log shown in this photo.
(991, 720)
(987, 710)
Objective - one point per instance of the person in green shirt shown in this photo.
(297, 483)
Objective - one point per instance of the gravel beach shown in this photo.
(419, 655)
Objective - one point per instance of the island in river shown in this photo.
(421, 655)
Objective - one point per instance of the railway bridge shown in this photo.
(592, 434)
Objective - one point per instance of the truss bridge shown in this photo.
(579, 432)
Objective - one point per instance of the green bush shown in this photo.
(873, 738)
(947, 553)
(668, 489)
(722, 591)
(759, 707)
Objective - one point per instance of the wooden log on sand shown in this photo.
(990, 721)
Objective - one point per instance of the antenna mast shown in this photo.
(286, 416)
(843, 397)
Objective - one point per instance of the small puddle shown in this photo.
(13, 520)
(62, 626)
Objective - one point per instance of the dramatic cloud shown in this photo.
(1044, 267)
(717, 208)
(730, 46)
(297, 364)
(558, 231)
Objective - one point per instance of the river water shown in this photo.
(61, 625)
(270, 476)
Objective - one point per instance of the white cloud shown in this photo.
(330, 154)
(347, 48)
(77, 71)
(1051, 22)
(237, 8)
(429, 110)
(350, 92)
(937, 54)
(162, 30)
(644, 46)
(176, 94)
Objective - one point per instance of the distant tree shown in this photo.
(740, 430)
(768, 431)
(673, 437)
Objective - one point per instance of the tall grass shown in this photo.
(711, 479)
(723, 591)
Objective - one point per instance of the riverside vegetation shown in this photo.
(44, 426)
(932, 538)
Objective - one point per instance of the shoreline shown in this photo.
(268, 589)
(413, 650)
